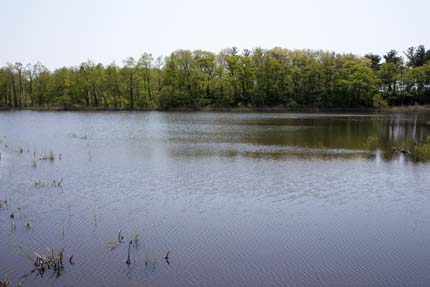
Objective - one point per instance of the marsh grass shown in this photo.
(54, 183)
(115, 244)
(51, 156)
(53, 261)
(120, 236)
(75, 136)
(128, 261)
(167, 258)
(151, 262)
(420, 151)
(417, 151)
(5, 281)
(3, 204)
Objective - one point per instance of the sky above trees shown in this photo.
(64, 33)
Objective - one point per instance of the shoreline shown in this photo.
(415, 108)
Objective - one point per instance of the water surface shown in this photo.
(239, 199)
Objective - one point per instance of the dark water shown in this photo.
(237, 199)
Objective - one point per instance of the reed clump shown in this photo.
(42, 263)
(49, 156)
(3, 204)
(54, 183)
(5, 282)
(418, 151)
(82, 137)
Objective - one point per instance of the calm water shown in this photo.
(238, 199)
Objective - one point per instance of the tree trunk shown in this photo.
(31, 89)
(149, 87)
(131, 104)
(20, 88)
(96, 101)
(15, 100)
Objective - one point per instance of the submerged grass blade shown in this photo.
(25, 253)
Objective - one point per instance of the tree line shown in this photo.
(257, 78)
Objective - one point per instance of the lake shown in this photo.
(237, 199)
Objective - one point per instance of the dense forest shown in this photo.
(281, 78)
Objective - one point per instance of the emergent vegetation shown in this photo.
(196, 79)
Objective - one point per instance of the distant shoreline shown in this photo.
(414, 108)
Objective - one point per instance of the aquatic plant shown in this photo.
(136, 238)
(57, 183)
(420, 152)
(95, 219)
(167, 258)
(12, 224)
(82, 137)
(39, 183)
(3, 204)
(5, 282)
(41, 262)
(25, 222)
(120, 237)
(150, 262)
(114, 244)
(54, 183)
(417, 151)
(43, 157)
(27, 225)
(51, 156)
(128, 261)
(24, 252)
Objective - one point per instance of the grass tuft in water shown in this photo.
(136, 238)
(51, 156)
(5, 282)
(128, 261)
(120, 237)
(3, 204)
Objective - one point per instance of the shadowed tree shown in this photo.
(129, 72)
(375, 61)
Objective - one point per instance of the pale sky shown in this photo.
(66, 33)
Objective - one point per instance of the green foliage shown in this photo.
(232, 78)
(379, 102)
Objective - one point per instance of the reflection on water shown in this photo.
(237, 199)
